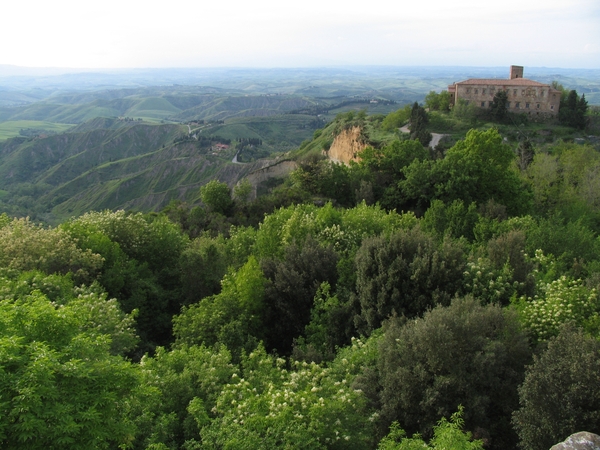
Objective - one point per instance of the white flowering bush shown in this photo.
(557, 302)
(25, 246)
(267, 405)
(488, 284)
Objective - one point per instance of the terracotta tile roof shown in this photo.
(503, 82)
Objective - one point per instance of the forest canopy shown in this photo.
(401, 301)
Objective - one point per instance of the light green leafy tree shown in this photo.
(183, 385)
(217, 196)
(447, 435)
(60, 387)
(233, 317)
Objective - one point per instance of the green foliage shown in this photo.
(465, 354)
(232, 317)
(320, 333)
(447, 435)
(27, 246)
(558, 302)
(217, 196)
(465, 111)
(418, 125)
(184, 385)
(268, 406)
(438, 102)
(142, 265)
(242, 191)
(561, 394)
(98, 316)
(456, 219)
(405, 274)
(566, 181)
(498, 109)
(202, 265)
(476, 169)
(396, 119)
(572, 110)
(60, 386)
(291, 288)
(573, 244)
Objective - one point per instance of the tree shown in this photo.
(561, 392)
(476, 169)
(60, 386)
(268, 405)
(465, 354)
(447, 435)
(405, 274)
(291, 288)
(184, 386)
(233, 317)
(27, 246)
(418, 125)
(395, 120)
(572, 110)
(498, 109)
(217, 197)
(438, 102)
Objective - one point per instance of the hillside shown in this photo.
(107, 163)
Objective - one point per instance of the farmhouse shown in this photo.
(524, 95)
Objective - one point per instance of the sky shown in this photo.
(305, 33)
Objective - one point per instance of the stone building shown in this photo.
(524, 95)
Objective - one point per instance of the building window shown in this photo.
(552, 107)
(518, 105)
(483, 91)
(526, 105)
(483, 104)
(514, 92)
(542, 94)
(476, 91)
(508, 104)
(522, 91)
(468, 90)
(537, 106)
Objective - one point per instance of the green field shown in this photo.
(11, 128)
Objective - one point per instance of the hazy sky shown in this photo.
(280, 33)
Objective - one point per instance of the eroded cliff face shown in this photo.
(346, 146)
(269, 169)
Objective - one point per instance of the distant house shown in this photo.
(524, 95)
(220, 146)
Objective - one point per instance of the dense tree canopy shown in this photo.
(352, 306)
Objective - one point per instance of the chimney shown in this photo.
(516, 72)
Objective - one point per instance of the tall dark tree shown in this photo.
(291, 287)
(572, 110)
(561, 393)
(498, 108)
(418, 125)
(465, 354)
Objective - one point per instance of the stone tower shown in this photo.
(516, 72)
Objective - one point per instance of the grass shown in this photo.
(11, 129)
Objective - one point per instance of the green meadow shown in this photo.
(11, 128)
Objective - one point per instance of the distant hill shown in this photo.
(118, 163)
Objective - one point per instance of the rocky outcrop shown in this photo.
(579, 441)
(346, 146)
